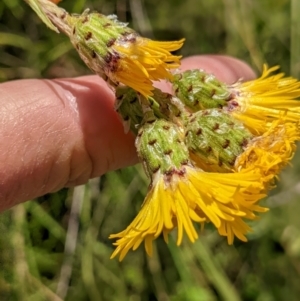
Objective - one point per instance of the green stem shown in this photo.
(295, 38)
(215, 273)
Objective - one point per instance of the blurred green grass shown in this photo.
(57, 247)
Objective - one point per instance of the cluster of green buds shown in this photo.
(129, 63)
(193, 125)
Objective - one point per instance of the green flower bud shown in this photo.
(216, 137)
(119, 54)
(199, 90)
(163, 105)
(129, 108)
(93, 35)
(161, 147)
(111, 49)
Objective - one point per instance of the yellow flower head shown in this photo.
(219, 143)
(214, 166)
(182, 193)
(257, 103)
(194, 196)
(118, 53)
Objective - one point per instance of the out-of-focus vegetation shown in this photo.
(57, 247)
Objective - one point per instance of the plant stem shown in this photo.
(295, 38)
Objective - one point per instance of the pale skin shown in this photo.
(60, 133)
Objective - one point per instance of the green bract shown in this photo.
(199, 90)
(161, 147)
(216, 137)
(129, 107)
(93, 35)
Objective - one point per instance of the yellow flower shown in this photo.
(118, 54)
(272, 151)
(259, 102)
(197, 196)
(142, 60)
(182, 194)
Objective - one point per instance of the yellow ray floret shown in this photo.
(272, 151)
(223, 199)
(259, 102)
(143, 61)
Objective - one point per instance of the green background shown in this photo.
(57, 247)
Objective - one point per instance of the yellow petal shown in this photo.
(195, 197)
